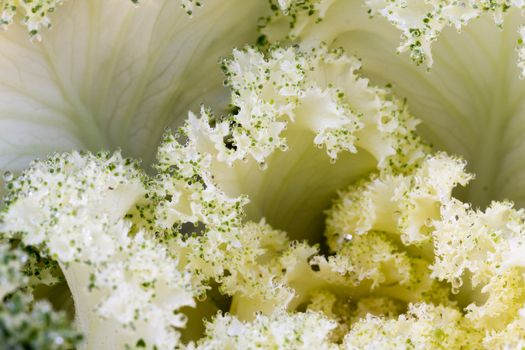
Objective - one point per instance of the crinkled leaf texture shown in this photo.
(470, 101)
(409, 264)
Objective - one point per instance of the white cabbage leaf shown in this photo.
(109, 74)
